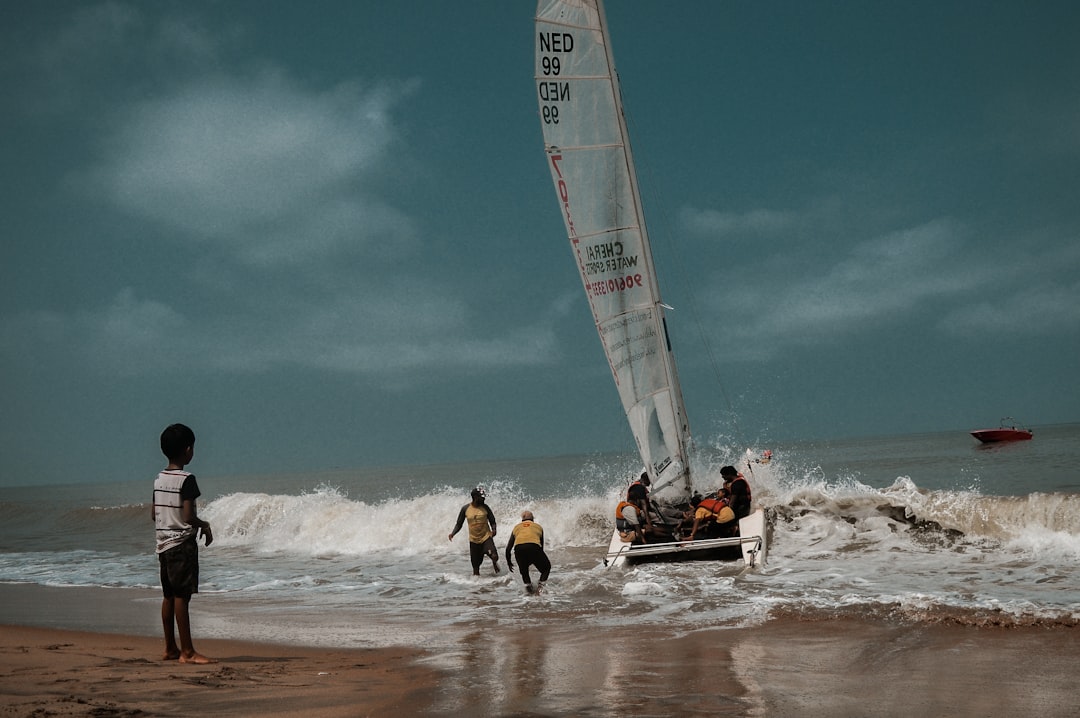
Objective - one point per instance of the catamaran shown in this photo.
(588, 154)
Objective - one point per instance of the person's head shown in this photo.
(645, 478)
(526, 515)
(175, 442)
(729, 473)
(695, 500)
(478, 495)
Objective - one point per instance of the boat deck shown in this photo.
(750, 545)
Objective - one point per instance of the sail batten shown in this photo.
(591, 164)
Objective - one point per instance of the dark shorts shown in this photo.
(180, 570)
(477, 552)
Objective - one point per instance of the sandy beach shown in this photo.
(784, 668)
(52, 672)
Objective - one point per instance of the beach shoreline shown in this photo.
(783, 667)
(58, 672)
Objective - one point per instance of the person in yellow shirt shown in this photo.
(713, 515)
(527, 543)
(481, 540)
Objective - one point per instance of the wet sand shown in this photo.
(784, 668)
(53, 672)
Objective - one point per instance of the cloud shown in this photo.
(128, 336)
(264, 168)
(1030, 312)
(101, 53)
(724, 224)
(1035, 293)
(378, 334)
(91, 36)
(877, 281)
(277, 187)
(931, 273)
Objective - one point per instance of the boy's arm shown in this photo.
(192, 519)
(491, 520)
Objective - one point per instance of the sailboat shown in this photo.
(588, 153)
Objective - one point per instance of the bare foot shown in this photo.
(170, 656)
(197, 658)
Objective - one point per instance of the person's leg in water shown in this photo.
(543, 565)
(524, 559)
(476, 556)
(525, 564)
(489, 549)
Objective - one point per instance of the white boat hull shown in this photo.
(752, 541)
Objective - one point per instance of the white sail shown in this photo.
(589, 156)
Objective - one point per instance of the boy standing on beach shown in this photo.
(178, 527)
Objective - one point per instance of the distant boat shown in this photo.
(1010, 430)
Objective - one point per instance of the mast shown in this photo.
(588, 149)
(678, 406)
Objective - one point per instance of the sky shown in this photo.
(324, 235)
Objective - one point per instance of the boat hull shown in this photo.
(989, 436)
(750, 546)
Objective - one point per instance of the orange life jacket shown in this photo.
(740, 477)
(713, 505)
(622, 505)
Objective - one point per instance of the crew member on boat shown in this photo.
(630, 520)
(737, 491)
(712, 515)
(638, 493)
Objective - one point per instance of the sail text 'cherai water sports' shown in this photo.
(588, 153)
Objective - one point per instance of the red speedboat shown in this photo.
(1008, 431)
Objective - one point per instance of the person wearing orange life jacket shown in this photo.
(629, 522)
(737, 491)
(638, 492)
(709, 515)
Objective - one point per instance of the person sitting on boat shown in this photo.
(712, 515)
(638, 493)
(631, 521)
(737, 491)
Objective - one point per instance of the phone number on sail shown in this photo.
(616, 284)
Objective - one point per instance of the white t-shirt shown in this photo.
(171, 489)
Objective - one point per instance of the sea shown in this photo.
(926, 528)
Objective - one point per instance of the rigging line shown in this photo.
(687, 281)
